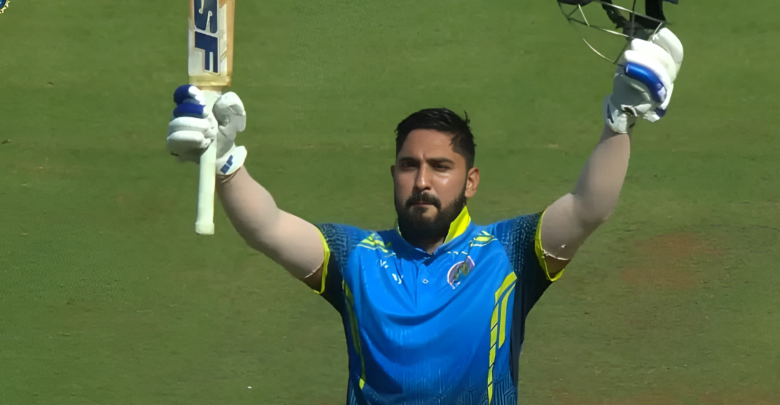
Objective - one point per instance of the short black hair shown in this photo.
(442, 120)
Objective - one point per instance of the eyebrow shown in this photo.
(429, 160)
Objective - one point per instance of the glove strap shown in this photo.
(225, 179)
(618, 117)
(228, 163)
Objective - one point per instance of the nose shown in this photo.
(422, 182)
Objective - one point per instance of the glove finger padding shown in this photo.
(187, 145)
(192, 128)
(183, 141)
(671, 44)
(652, 56)
(191, 124)
(191, 135)
(188, 92)
(644, 81)
(230, 114)
(647, 71)
(231, 118)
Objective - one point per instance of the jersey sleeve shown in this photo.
(521, 239)
(338, 242)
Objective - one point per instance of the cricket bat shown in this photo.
(210, 67)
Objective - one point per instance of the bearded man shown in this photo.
(434, 308)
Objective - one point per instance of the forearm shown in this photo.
(290, 241)
(573, 217)
(598, 187)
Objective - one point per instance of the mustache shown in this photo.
(423, 198)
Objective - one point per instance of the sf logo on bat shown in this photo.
(207, 33)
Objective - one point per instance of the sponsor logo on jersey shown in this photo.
(459, 271)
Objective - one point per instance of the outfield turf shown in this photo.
(108, 297)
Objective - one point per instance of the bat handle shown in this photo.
(204, 223)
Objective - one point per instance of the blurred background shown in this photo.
(108, 297)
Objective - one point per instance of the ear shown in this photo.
(392, 171)
(472, 181)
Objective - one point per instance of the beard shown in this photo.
(416, 227)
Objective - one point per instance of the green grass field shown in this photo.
(108, 297)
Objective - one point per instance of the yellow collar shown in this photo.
(457, 227)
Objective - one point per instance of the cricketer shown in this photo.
(434, 308)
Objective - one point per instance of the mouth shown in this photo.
(421, 205)
(422, 202)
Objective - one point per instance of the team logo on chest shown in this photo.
(459, 271)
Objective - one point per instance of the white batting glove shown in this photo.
(644, 81)
(192, 128)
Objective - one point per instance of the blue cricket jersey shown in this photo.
(442, 328)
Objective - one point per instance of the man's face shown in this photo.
(432, 184)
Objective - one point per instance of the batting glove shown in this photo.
(192, 128)
(644, 81)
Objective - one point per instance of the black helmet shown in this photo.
(628, 22)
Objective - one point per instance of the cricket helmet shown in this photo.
(626, 19)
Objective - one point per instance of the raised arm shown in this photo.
(288, 240)
(643, 86)
(572, 218)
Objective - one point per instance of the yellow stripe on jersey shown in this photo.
(355, 331)
(493, 334)
(498, 325)
(484, 239)
(507, 282)
(325, 262)
(540, 251)
(374, 243)
(459, 225)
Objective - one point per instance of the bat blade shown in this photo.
(210, 43)
(210, 68)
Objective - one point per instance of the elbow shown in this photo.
(259, 244)
(263, 248)
(592, 222)
(253, 243)
(602, 217)
(252, 239)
